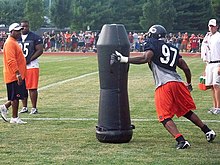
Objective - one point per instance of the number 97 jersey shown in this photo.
(28, 43)
(164, 61)
(165, 54)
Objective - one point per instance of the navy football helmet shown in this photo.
(157, 31)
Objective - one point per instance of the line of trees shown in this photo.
(139, 15)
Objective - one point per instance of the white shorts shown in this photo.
(211, 74)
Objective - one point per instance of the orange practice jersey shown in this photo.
(13, 60)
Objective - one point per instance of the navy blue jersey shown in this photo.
(28, 45)
(165, 55)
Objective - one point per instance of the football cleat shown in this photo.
(182, 145)
(210, 136)
(17, 121)
(216, 111)
(24, 110)
(4, 112)
(33, 111)
(211, 110)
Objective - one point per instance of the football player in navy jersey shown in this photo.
(32, 46)
(172, 95)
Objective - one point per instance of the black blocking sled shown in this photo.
(114, 123)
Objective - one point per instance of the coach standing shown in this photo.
(14, 70)
(210, 52)
(32, 46)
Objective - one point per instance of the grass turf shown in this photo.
(59, 135)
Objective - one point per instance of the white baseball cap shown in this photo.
(212, 22)
(14, 26)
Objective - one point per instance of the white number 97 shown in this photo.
(166, 51)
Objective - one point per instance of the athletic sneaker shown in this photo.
(33, 111)
(216, 111)
(182, 145)
(24, 110)
(4, 112)
(211, 110)
(210, 136)
(17, 121)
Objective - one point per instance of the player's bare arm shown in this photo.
(38, 52)
(145, 58)
(183, 65)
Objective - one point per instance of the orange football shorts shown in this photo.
(32, 77)
(171, 99)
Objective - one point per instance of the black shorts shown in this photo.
(15, 91)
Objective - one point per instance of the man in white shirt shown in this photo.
(210, 53)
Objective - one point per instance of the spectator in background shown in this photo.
(178, 40)
(81, 34)
(81, 43)
(92, 40)
(87, 43)
(58, 42)
(3, 37)
(46, 41)
(74, 41)
(136, 41)
(131, 40)
(184, 42)
(194, 43)
(141, 42)
(62, 41)
(96, 40)
(52, 41)
(200, 38)
(67, 37)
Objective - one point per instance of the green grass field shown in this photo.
(64, 130)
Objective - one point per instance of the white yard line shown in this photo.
(65, 81)
(90, 119)
(60, 82)
(95, 119)
(60, 59)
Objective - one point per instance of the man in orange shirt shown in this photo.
(14, 72)
(67, 36)
(184, 42)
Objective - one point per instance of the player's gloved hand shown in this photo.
(121, 58)
(189, 86)
(118, 57)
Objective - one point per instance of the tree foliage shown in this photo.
(82, 12)
(158, 12)
(34, 13)
(136, 15)
(192, 15)
(95, 15)
(127, 12)
(148, 8)
(216, 8)
(61, 13)
(11, 11)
